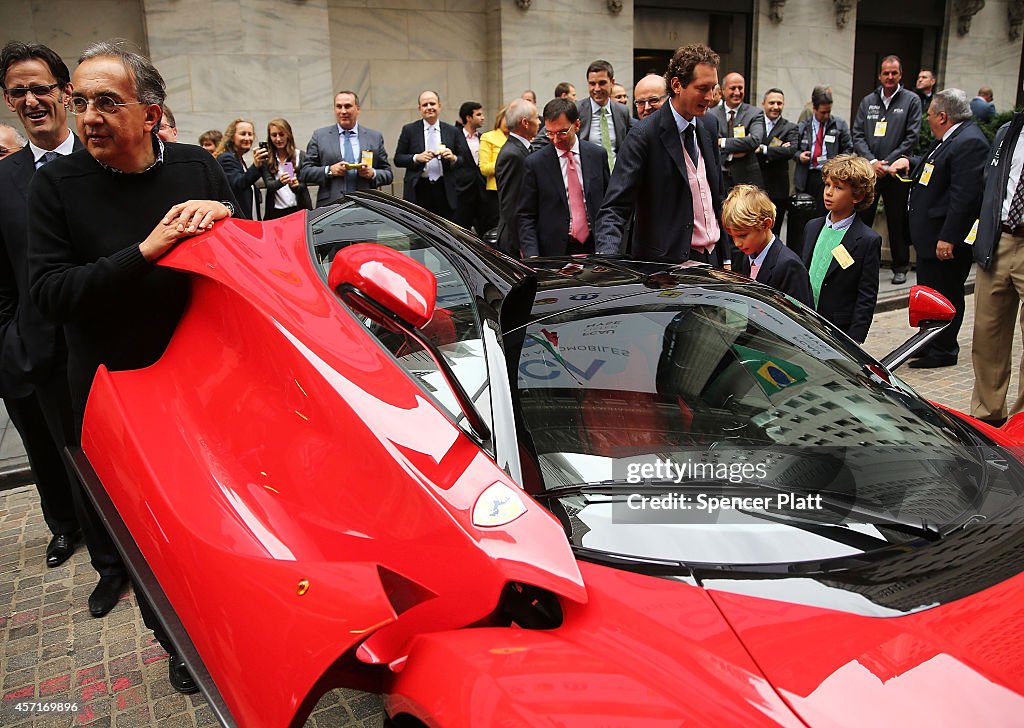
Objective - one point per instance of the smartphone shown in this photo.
(264, 145)
(288, 168)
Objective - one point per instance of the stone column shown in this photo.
(804, 50)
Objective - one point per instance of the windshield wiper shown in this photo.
(918, 528)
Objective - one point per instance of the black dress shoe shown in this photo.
(933, 361)
(104, 597)
(61, 547)
(179, 676)
(899, 277)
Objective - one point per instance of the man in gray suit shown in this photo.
(523, 122)
(740, 133)
(602, 122)
(335, 155)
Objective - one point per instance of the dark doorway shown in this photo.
(875, 42)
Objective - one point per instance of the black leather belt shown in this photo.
(1017, 232)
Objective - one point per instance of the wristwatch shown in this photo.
(231, 208)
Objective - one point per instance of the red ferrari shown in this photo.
(590, 492)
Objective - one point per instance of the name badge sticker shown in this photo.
(739, 131)
(830, 138)
(926, 174)
(775, 142)
(880, 128)
(842, 256)
(973, 235)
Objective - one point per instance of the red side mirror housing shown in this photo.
(927, 304)
(394, 281)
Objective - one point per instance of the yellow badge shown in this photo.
(842, 256)
(973, 235)
(880, 127)
(739, 131)
(366, 157)
(775, 142)
(926, 174)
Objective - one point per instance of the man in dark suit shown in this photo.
(333, 150)
(677, 194)
(430, 150)
(472, 211)
(999, 281)
(820, 138)
(523, 123)
(779, 147)
(563, 186)
(602, 121)
(33, 358)
(944, 203)
(740, 133)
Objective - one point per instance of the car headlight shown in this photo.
(497, 505)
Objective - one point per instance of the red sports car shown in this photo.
(589, 492)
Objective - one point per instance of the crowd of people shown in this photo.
(696, 174)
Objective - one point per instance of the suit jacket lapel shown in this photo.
(808, 253)
(770, 258)
(554, 165)
(24, 167)
(672, 140)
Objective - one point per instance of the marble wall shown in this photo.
(68, 26)
(555, 40)
(805, 50)
(984, 57)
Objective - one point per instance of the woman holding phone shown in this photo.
(285, 193)
(238, 139)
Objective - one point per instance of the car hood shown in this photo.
(961, 663)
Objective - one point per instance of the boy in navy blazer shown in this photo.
(842, 254)
(748, 216)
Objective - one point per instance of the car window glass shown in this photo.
(454, 327)
(711, 377)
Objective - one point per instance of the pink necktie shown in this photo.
(577, 206)
(754, 268)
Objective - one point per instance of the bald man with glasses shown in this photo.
(649, 93)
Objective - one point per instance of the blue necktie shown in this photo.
(350, 157)
(47, 158)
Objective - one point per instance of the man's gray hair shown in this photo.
(954, 102)
(17, 136)
(517, 111)
(149, 84)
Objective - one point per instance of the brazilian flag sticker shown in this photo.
(772, 374)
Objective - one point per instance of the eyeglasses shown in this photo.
(38, 91)
(103, 104)
(561, 134)
(641, 103)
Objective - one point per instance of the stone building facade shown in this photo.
(264, 58)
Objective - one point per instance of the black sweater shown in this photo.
(85, 269)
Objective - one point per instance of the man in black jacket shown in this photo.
(33, 362)
(431, 150)
(886, 127)
(780, 145)
(523, 123)
(944, 202)
(999, 281)
(87, 213)
(819, 139)
(556, 210)
(669, 171)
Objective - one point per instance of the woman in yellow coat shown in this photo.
(491, 143)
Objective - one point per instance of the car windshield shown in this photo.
(716, 425)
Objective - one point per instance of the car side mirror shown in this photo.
(930, 312)
(928, 307)
(395, 282)
(399, 293)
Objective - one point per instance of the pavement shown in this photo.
(53, 653)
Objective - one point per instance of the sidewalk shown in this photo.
(51, 649)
